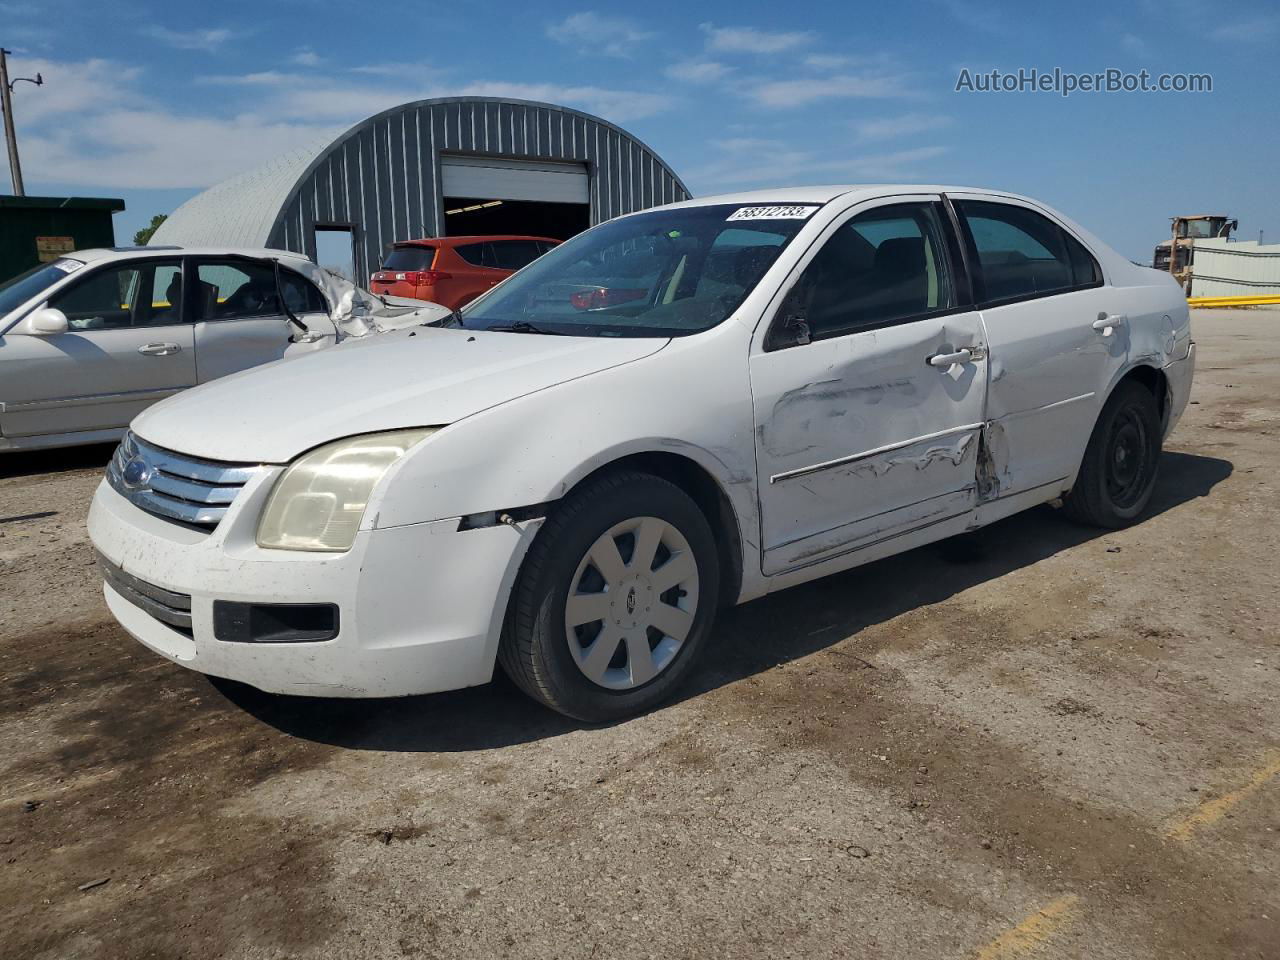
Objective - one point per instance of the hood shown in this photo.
(426, 376)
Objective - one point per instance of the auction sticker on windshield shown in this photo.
(796, 212)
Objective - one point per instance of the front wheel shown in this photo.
(615, 599)
(1118, 474)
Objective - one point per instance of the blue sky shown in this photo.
(153, 101)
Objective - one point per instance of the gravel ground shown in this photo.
(1038, 739)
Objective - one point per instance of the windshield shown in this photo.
(16, 291)
(666, 273)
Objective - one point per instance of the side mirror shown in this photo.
(791, 332)
(47, 322)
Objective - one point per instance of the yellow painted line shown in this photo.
(1033, 932)
(1211, 811)
(1260, 300)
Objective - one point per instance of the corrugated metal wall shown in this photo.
(383, 176)
(1235, 269)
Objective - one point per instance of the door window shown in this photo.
(127, 295)
(1021, 253)
(885, 266)
(238, 290)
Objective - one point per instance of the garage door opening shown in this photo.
(492, 195)
(468, 216)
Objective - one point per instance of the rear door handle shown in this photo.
(948, 360)
(1107, 322)
(158, 349)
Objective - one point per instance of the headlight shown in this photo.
(319, 499)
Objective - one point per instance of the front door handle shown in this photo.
(1107, 322)
(947, 360)
(158, 349)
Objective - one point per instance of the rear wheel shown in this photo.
(615, 599)
(1118, 474)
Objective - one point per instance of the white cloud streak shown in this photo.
(751, 40)
(593, 33)
(698, 71)
(891, 128)
(208, 39)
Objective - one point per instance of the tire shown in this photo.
(595, 669)
(1120, 464)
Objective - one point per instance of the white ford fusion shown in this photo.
(681, 408)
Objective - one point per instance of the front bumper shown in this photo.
(421, 606)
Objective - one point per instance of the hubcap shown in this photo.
(631, 603)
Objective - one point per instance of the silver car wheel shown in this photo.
(631, 603)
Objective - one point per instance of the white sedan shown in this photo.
(682, 408)
(93, 338)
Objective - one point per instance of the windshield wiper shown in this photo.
(452, 319)
(524, 326)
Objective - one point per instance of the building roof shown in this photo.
(113, 204)
(246, 206)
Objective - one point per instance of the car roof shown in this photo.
(96, 254)
(473, 238)
(825, 193)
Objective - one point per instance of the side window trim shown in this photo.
(776, 319)
(974, 270)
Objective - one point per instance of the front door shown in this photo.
(868, 389)
(128, 346)
(239, 320)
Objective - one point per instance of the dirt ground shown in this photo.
(1036, 740)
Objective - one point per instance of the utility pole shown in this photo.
(10, 134)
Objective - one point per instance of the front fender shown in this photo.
(691, 399)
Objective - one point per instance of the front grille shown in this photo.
(167, 606)
(174, 486)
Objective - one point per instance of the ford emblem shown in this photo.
(136, 473)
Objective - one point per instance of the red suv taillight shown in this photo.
(424, 278)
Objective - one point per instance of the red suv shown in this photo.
(453, 271)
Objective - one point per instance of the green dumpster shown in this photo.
(40, 229)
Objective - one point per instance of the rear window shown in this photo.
(409, 258)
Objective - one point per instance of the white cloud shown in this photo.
(1255, 30)
(826, 61)
(889, 128)
(265, 78)
(156, 149)
(765, 163)
(209, 39)
(97, 128)
(751, 40)
(403, 71)
(1134, 44)
(801, 91)
(697, 71)
(306, 57)
(983, 17)
(592, 33)
(71, 87)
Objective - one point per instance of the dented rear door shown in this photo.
(872, 428)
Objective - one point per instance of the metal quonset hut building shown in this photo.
(446, 167)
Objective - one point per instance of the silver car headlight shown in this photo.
(318, 501)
